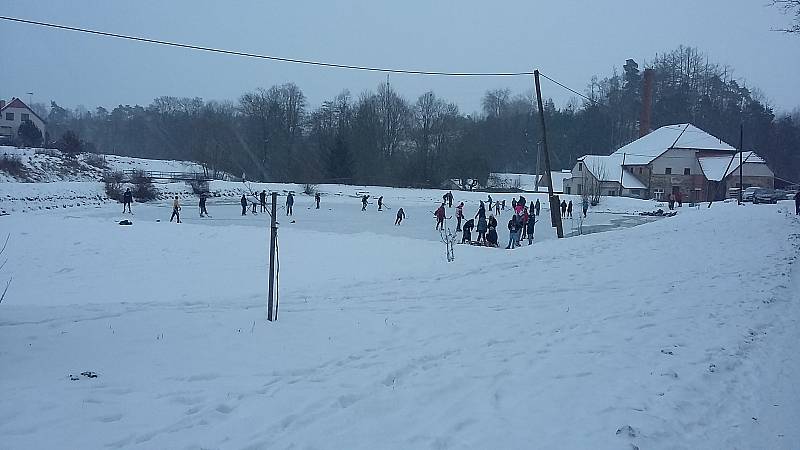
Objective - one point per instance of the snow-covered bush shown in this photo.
(113, 183)
(12, 165)
(96, 161)
(310, 189)
(143, 189)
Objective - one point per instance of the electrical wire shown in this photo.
(267, 57)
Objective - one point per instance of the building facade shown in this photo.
(13, 114)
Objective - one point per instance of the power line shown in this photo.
(267, 57)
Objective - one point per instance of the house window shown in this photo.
(25, 117)
(668, 170)
(9, 116)
(580, 167)
(568, 189)
(658, 194)
(580, 189)
(640, 170)
(687, 171)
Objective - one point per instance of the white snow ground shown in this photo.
(679, 333)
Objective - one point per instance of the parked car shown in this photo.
(762, 195)
(747, 195)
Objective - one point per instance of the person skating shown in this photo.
(440, 217)
(459, 215)
(529, 228)
(255, 208)
(450, 199)
(466, 237)
(671, 202)
(316, 199)
(563, 208)
(127, 199)
(380, 203)
(243, 202)
(444, 198)
(569, 209)
(513, 229)
(497, 208)
(289, 204)
(364, 199)
(797, 203)
(203, 211)
(263, 198)
(491, 237)
(585, 205)
(176, 210)
(482, 225)
(537, 206)
(400, 216)
(490, 201)
(503, 205)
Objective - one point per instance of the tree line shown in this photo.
(380, 137)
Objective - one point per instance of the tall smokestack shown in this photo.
(647, 102)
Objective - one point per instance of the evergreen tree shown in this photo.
(29, 134)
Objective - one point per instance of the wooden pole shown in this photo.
(555, 215)
(272, 314)
(741, 163)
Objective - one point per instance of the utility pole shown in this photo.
(538, 153)
(622, 169)
(555, 216)
(741, 150)
(272, 311)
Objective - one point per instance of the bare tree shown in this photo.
(792, 8)
(594, 183)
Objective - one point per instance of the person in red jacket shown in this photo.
(439, 217)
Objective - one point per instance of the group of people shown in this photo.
(673, 198)
(521, 225)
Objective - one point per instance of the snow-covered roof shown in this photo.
(527, 182)
(609, 168)
(717, 167)
(681, 136)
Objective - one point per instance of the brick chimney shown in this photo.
(647, 102)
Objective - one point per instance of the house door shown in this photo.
(676, 189)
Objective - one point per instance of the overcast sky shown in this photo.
(570, 40)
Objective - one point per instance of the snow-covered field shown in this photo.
(680, 333)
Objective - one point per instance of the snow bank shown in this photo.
(674, 334)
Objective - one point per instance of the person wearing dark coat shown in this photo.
(289, 204)
(263, 197)
(449, 199)
(563, 208)
(530, 227)
(255, 208)
(492, 222)
(400, 216)
(127, 199)
(490, 201)
(316, 199)
(491, 237)
(364, 199)
(585, 205)
(466, 237)
(380, 203)
(569, 209)
(537, 206)
(797, 203)
(243, 202)
(203, 211)
(513, 229)
(482, 225)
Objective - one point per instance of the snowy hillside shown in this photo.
(678, 333)
(48, 165)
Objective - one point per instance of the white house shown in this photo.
(674, 159)
(13, 114)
